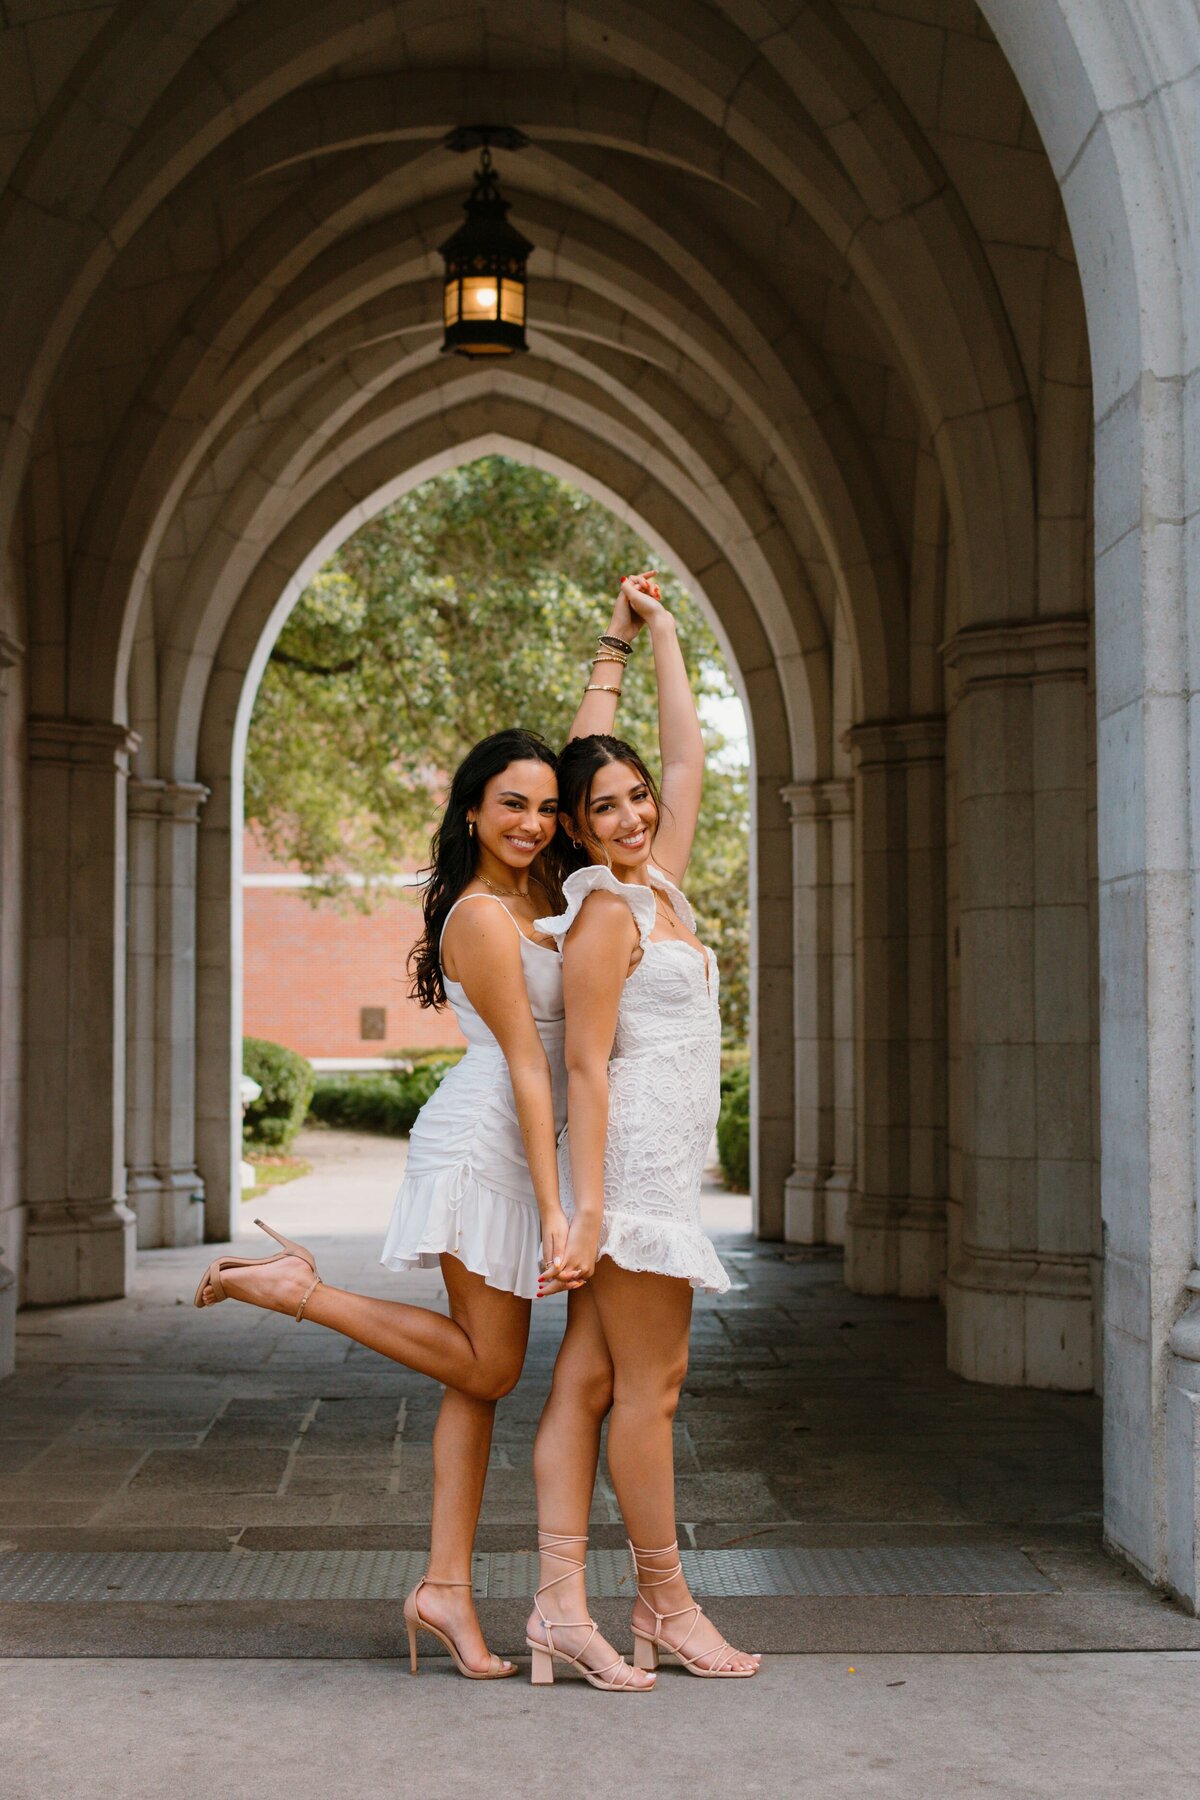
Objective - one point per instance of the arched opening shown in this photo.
(807, 311)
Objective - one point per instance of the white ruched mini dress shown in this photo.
(467, 1189)
(664, 1092)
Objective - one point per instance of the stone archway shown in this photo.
(810, 311)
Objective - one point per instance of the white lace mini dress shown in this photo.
(664, 1092)
(467, 1189)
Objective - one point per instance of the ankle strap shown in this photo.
(664, 1575)
(432, 1581)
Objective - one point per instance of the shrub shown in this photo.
(384, 1102)
(287, 1080)
(733, 1125)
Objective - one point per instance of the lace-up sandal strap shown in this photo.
(309, 1291)
(549, 1545)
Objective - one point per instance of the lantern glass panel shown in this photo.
(512, 302)
(450, 303)
(480, 298)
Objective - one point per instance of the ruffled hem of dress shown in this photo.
(661, 1247)
(451, 1212)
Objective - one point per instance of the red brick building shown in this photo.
(326, 980)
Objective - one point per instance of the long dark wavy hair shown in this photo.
(453, 852)
(578, 765)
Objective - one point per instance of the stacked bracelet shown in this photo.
(610, 641)
(596, 687)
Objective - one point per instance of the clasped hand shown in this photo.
(569, 1254)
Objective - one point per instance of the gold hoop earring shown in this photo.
(470, 828)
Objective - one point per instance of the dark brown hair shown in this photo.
(578, 765)
(454, 852)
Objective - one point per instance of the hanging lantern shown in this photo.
(483, 308)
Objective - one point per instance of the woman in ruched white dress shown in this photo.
(480, 1194)
(642, 1047)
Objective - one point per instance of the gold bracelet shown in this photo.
(595, 687)
(619, 660)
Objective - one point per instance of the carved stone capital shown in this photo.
(1023, 650)
(888, 743)
(80, 743)
(807, 800)
(175, 802)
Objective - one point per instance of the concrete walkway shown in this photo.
(1092, 1727)
(813, 1422)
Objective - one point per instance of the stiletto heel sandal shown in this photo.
(648, 1646)
(615, 1677)
(498, 1668)
(212, 1275)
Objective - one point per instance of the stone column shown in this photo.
(896, 1221)
(11, 1214)
(164, 1188)
(79, 1242)
(817, 1189)
(1019, 1296)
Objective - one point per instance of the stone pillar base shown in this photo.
(895, 1246)
(1020, 1321)
(79, 1250)
(8, 1321)
(1183, 1454)
(169, 1205)
(814, 1206)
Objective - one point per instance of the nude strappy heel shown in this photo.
(497, 1668)
(648, 1646)
(212, 1275)
(615, 1677)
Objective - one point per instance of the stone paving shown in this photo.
(811, 1417)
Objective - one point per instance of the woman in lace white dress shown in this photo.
(643, 1071)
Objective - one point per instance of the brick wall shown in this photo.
(310, 971)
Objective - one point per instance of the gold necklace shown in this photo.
(507, 893)
(669, 915)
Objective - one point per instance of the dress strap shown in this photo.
(462, 900)
(597, 877)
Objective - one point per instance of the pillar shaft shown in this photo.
(12, 1217)
(164, 1188)
(818, 1187)
(896, 1223)
(1019, 1292)
(79, 1242)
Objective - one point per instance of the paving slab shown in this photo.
(811, 1418)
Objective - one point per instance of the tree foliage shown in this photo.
(471, 604)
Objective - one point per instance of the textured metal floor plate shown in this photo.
(181, 1576)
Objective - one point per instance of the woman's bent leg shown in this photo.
(459, 1352)
(646, 1320)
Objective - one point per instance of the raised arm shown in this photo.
(598, 708)
(486, 953)
(680, 742)
(596, 957)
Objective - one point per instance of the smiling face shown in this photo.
(621, 817)
(517, 813)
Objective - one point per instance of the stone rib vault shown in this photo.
(879, 319)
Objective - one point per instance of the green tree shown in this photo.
(471, 604)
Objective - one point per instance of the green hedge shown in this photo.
(733, 1125)
(387, 1102)
(287, 1081)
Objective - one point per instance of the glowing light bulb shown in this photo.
(486, 296)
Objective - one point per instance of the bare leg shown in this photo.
(646, 1320)
(566, 1453)
(462, 1440)
(479, 1354)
